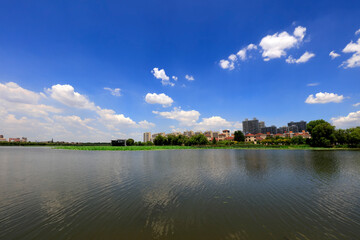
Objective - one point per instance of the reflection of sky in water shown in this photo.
(215, 194)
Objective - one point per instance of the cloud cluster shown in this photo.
(276, 45)
(241, 55)
(160, 74)
(190, 119)
(351, 120)
(27, 113)
(324, 98)
(272, 46)
(115, 92)
(303, 59)
(161, 98)
(189, 77)
(354, 60)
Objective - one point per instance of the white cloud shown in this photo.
(356, 104)
(357, 32)
(161, 98)
(312, 84)
(351, 120)
(115, 92)
(334, 55)
(275, 46)
(304, 58)
(225, 64)
(160, 74)
(243, 52)
(189, 77)
(233, 58)
(174, 78)
(299, 32)
(213, 123)
(187, 118)
(14, 93)
(354, 60)
(146, 125)
(324, 98)
(66, 95)
(16, 99)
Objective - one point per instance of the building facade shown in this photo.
(271, 130)
(300, 125)
(147, 137)
(251, 126)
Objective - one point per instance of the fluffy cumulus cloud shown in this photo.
(160, 74)
(357, 32)
(241, 55)
(189, 77)
(27, 113)
(175, 78)
(115, 92)
(66, 95)
(276, 45)
(334, 55)
(213, 123)
(186, 118)
(324, 98)
(16, 99)
(354, 60)
(303, 59)
(351, 120)
(190, 119)
(161, 98)
(226, 64)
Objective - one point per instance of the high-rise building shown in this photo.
(157, 134)
(301, 125)
(293, 128)
(261, 124)
(283, 129)
(251, 126)
(189, 133)
(147, 137)
(271, 130)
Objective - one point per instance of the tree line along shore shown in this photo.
(323, 136)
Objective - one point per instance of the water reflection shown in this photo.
(190, 194)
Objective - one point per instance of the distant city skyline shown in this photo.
(107, 70)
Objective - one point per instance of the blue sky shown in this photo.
(246, 59)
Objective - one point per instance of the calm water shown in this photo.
(179, 194)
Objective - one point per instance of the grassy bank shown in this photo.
(153, 148)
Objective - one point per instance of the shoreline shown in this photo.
(162, 148)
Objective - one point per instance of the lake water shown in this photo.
(179, 194)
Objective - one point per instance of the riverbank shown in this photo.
(157, 148)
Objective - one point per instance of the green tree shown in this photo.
(322, 135)
(298, 140)
(239, 136)
(310, 126)
(159, 140)
(149, 143)
(130, 142)
(213, 141)
(341, 136)
(354, 137)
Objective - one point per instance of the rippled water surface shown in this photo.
(179, 194)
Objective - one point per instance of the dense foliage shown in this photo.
(180, 140)
(239, 136)
(130, 142)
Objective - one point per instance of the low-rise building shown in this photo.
(157, 134)
(250, 137)
(14, 140)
